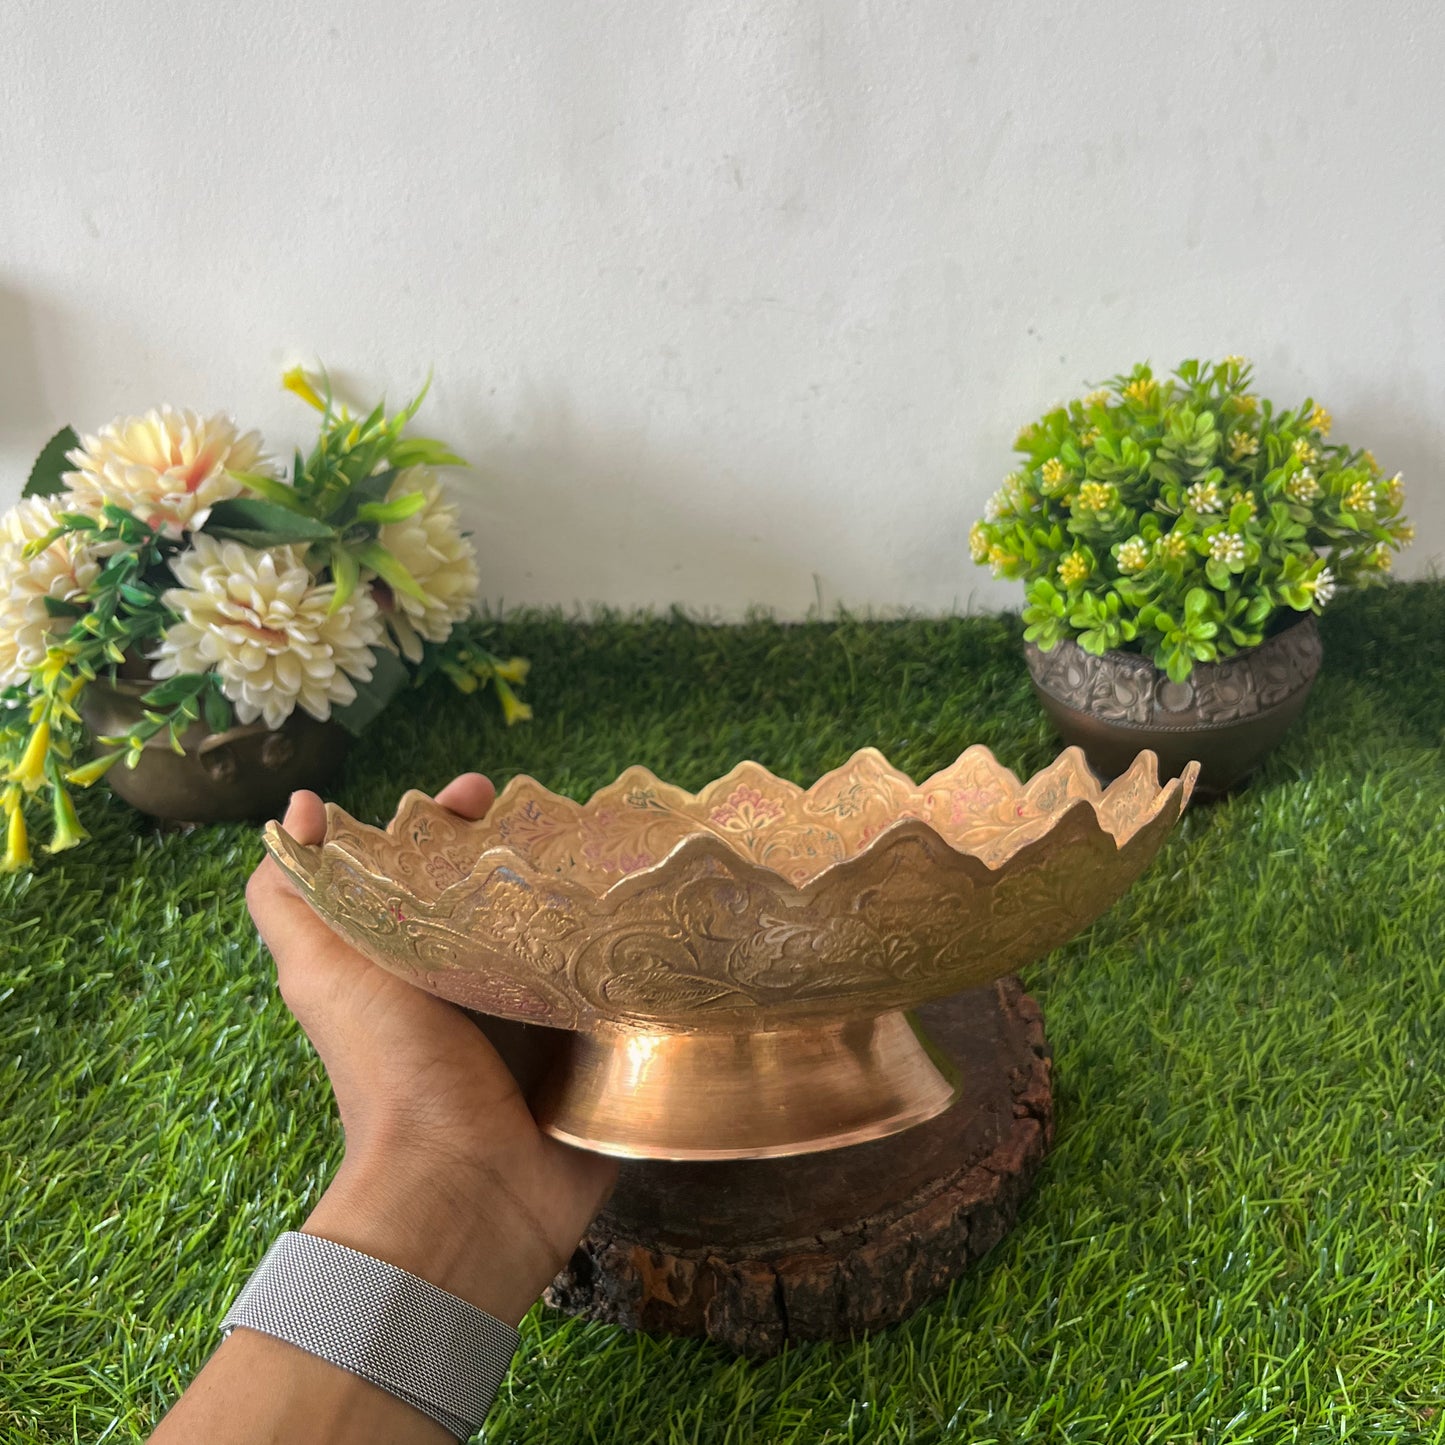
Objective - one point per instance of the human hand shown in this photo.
(445, 1173)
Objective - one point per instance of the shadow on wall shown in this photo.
(1403, 442)
(22, 402)
(617, 517)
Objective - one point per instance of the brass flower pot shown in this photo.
(1226, 715)
(247, 771)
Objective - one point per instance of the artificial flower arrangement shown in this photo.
(169, 545)
(1185, 518)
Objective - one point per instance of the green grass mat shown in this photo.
(1238, 1237)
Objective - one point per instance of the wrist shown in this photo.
(435, 1223)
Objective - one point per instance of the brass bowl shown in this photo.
(736, 965)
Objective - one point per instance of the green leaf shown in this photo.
(389, 675)
(375, 556)
(345, 573)
(282, 494)
(176, 689)
(369, 489)
(218, 709)
(397, 510)
(1196, 605)
(58, 607)
(244, 519)
(424, 452)
(47, 476)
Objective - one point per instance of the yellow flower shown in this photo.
(1360, 497)
(1245, 403)
(1405, 533)
(998, 558)
(1393, 490)
(1242, 445)
(1321, 420)
(1053, 472)
(1025, 437)
(1203, 497)
(515, 669)
(1073, 569)
(1368, 457)
(1096, 497)
(1304, 451)
(68, 831)
(1133, 555)
(513, 708)
(1173, 545)
(1235, 359)
(1101, 397)
(29, 772)
(298, 382)
(17, 840)
(1381, 558)
(978, 542)
(1140, 390)
(1088, 436)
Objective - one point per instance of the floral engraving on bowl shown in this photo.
(1124, 687)
(747, 905)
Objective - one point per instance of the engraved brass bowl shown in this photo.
(736, 966)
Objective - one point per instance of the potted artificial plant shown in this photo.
(178, 616)
(1178, 538)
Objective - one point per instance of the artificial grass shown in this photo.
(1236, 1239)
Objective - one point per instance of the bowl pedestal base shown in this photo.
(756, 1095)
(755, 1254)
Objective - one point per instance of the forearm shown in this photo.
(257, 1389)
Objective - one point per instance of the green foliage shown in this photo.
(47, 476)
(1236, 1239)
(1185, 519)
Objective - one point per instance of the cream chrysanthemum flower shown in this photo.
(64, 571)
(261, 621)
(168, 467)
(430, 545)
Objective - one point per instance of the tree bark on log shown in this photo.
(755, 1254)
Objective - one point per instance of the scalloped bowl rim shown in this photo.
(710, 844)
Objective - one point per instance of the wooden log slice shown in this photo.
(757, 1253)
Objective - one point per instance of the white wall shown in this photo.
(722, 296)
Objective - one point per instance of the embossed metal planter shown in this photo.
(247, 771)
(1225, 715)
(736, 965)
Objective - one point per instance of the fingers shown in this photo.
(469, 795)
(303, 946)
(305, 818)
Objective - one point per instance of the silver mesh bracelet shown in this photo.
(419, 1343)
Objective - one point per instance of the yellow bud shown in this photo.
(54, 664)
(68, 831)
(29, 772)
(298, 382)
(17, 841)
(515, 669)
(93, 771)
(513, 708)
